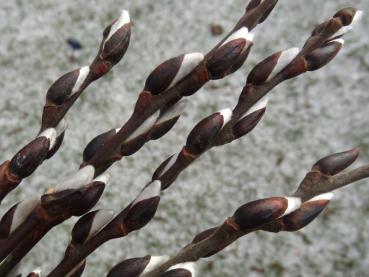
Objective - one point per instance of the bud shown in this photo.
(181, 270)
(72, 202)
(116, 39)
(252, 5)
(67, 85)
(130, 268)
(323, 55)
(165, 166)
(257, 213)
(229, 56)
(307, 212)
(25, 162)
(143, 208)
(16, 215)
(96, 143)
(90, 224)
(172, 71)
(35, 273)
(204, 235)
(206, 130)
(335, 163)
(144, 127)
(349, 18)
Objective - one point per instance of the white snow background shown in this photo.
(307, 118)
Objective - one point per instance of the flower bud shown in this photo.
(252, 5)
(168, 119)
(16, 215)
(257, 213)
(206, 130)
(130, 268)
(251, 118)
(172, 71)
(229, 56)
(96, 143)
(165, 166)
(335, 163)
(180, 270)
(90, 224)
(144, 207)
(349, 18)
(25, 162)
(323, 55)
(67, 85)
(72, 202)
(116, 39)
(307, 212)
(82, 177)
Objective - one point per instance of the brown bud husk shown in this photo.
(130, 147)
(72, 202)
(141, 213)
(203, 133)
(335, 163)
(96, 143)
(246, 124)
(257, 213)
(25, 162)
(346, 15)
(61, 89)
(130, 268)
(195, 80)
(178, 272)
(252, 5)
(222, 60)
(161, 129)
(117, 45)
(304, 216)
(204, 234)
(323, 55)
(260, 73)
(82, 228)
(162, 76)
(6, 222)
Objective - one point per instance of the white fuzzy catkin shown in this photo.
(22, 211)
(189, 62)
(284, 59)
(154, 262)
(293, 203)
(82, 75)
(80, 178)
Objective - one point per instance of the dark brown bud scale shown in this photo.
(178, 272)
(130, 147)
(61, 89)
(130, 267)
(305, 215)
(260, 73)
(295, 68)
(252, 5)
(335, 163)
(6, 222)
(96, 143)
(161, 129)
(82, 228)
(33, 274)
(257, 213)
(25, 162)
(323, 55)
(224, 57)
(141, 213)
(76, 202)
(117, 45)
(162, 76)
(195, 80)
(204, 234)
(241, 59)
(246, 124)
(203, 133)
(346, 15)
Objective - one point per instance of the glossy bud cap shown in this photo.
(257, 213)
(181, 270)
(172, 71)
(130, 268)
(90, 224)
(143, 208)
(335, 163)
(96, 143)
(323, 55)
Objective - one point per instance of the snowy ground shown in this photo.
(314, 115)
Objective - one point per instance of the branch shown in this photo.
(270, 214)
(59, 99)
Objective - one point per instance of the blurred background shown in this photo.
(307, 118)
